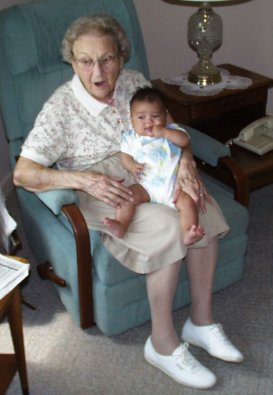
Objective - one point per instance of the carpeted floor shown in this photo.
(63, 359)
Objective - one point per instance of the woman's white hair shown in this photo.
(103, 24)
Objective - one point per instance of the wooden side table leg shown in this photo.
(16, 327)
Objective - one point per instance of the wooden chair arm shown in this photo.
(84, 262)
(240, 181)
(84, 265)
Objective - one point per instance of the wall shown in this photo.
(248, 42)
(248, 36)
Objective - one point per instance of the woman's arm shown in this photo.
(187, 174)
(187, 177)
(37, 178)
(189, 181)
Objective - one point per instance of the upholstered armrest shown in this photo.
(206, 148)
(57, 198)
(215, 158)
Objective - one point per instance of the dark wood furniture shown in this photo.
(222, 116)
(10, 305)
(258, 169)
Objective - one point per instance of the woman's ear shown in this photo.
(74, 66)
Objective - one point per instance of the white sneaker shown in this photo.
(181, 366)
(213, 339)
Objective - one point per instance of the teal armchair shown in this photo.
(93, 286)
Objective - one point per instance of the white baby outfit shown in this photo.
(161, 158)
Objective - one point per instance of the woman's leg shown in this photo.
(201, 263)
(161, 287)
(163, 349)
(200, 330)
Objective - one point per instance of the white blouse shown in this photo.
(74, 130)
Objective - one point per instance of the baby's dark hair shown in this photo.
(147, 94)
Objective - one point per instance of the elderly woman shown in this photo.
(80, 129)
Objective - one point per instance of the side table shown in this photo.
(10, 305)
(221, 116)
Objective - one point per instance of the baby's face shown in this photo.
(146, 115)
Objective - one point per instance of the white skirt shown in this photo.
(154, 238)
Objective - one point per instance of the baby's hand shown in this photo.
(137, 170)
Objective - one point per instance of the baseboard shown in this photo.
(7, 185)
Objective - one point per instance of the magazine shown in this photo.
(12, 272)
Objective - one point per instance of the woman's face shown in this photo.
(97, 63)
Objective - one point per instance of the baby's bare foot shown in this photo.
(193, 234)
(114, 227)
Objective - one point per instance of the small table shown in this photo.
(10, 305)
(222, 116)
(258, 169)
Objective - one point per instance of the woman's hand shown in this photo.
(109, 189)
(37, 178)
(189, 181)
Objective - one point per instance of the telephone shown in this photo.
(258, 136)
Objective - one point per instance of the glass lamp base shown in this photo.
(204, 74)
(205, 32)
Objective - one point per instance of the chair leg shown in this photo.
(46, 272)
(15, 243)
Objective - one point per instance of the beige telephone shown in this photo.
(258, 136)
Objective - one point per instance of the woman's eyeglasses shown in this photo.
(106, 63)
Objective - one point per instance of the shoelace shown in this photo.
(184, 358)
(218, 331)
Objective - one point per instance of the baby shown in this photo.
(151, 152)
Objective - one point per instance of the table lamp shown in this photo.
(205, 33)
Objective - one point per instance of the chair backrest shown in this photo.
(31, 67)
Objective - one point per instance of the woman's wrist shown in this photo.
(187, 154)
(82, 180)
